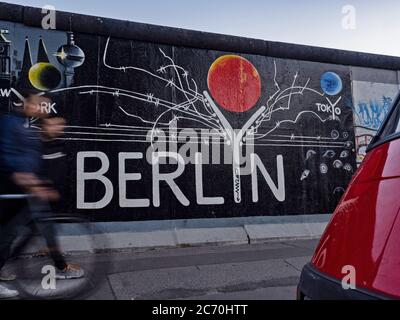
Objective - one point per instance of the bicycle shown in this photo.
(77, 238)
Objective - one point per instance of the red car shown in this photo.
(360, 248)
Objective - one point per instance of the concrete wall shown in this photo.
(373, 93)
(168, 124)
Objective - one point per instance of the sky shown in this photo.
(375, 27)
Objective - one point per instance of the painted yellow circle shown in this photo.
(44, 76)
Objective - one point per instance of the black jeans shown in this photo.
(16, 215)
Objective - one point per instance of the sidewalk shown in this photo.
(260, 271)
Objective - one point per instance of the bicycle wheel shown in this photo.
(78, 240)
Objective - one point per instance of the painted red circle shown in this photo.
(234, 83)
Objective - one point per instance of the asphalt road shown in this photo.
(257, 272)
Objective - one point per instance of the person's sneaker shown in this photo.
(6, 293)
(7, 276)
(70, 272)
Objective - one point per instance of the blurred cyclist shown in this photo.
(21, 175)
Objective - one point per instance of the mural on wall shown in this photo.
(372, 103)
(161, 132)
(5, 68)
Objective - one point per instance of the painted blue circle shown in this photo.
(331, 84)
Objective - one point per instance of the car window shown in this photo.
(392, 125)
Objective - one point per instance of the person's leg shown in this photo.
(19, 217)
(14, 214)
(65, 271)
(12, 218)
(40, 210)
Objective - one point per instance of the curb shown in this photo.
(284, 231)
(211, 236)
(189, 237)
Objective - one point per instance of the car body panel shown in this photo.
(365, 229)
